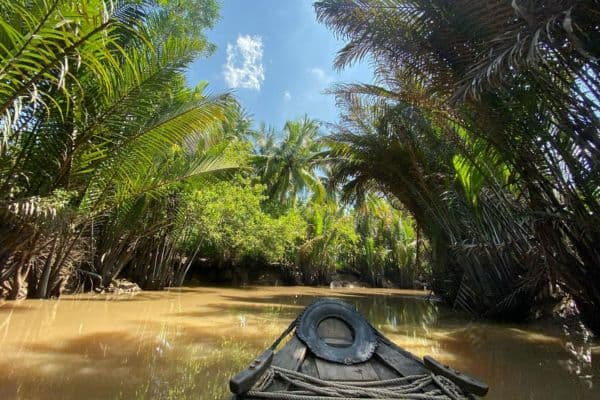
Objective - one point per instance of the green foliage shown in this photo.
(388, 243)
(189, 17)
(481, 127)
(289, 166)
(330, 244)
(374, 242)
(230, 224)
(112, 166)
(94, 103)
(406, 156)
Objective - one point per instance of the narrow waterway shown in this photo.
(186, 343)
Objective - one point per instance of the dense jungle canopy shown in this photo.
(472, 164)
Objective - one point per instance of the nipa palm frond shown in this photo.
(44, 43)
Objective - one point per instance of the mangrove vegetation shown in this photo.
(471, 165)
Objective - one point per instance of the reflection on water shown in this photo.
(185, 344)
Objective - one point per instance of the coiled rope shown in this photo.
(312, 388)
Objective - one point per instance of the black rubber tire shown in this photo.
(365, 340)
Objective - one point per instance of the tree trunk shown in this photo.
(42, 289)
(18, 280)
(183, 273)
(418, 250)
(42, 285)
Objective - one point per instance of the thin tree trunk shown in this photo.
(182, 274)
(42, 287)
(418, 250)
(18, 279)
(418, 260)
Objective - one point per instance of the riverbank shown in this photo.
(185, 343)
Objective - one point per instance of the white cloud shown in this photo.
(244, 68)
(287, 96)
(320, 75)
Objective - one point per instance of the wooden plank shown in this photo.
(340, 372)
(401, 363)
(309, 367)
(336, 342)
(247, 378)
(383, 370)
(289, 357)
(465, 382)
(291, 354)
(335, 332)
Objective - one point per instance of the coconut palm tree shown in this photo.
(289, 165)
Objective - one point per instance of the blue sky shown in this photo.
(277, 59)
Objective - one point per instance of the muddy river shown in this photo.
(186, 343)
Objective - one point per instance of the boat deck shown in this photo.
(334, 352)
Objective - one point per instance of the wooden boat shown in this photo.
(334, 352)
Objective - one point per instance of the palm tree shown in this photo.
(93, 107)
(519, 77)
(330, 244)
(387, 242)
(289, 166)
(396, 149)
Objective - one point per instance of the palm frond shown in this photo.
(44, 44)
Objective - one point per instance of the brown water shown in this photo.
(185, 344)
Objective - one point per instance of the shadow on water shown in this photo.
(185, 344)
(74, 367)
(117, 365)
(7, 308)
